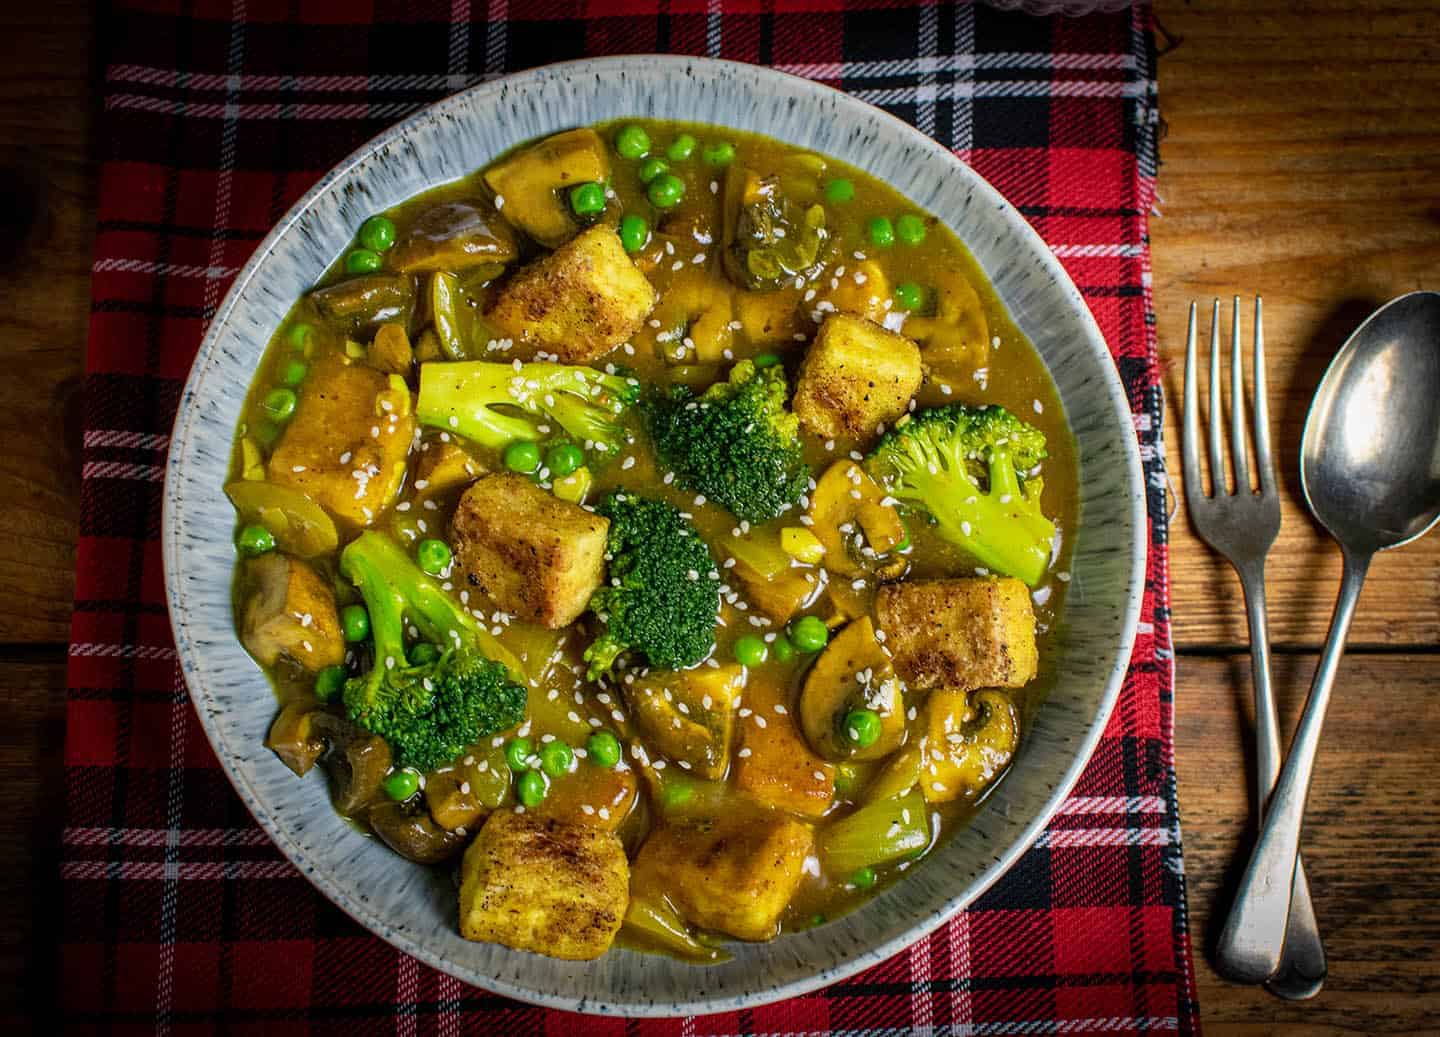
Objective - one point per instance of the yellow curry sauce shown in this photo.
(702, 323)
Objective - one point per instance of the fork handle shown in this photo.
(1252, 943)
(1303, 967)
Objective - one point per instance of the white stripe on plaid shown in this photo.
(1067, 838)
(407, 985)
(962, 91)
(207, 837)
(86, 649)
(1089, 251)
(1113, 805)
(126, 440)
(148, 266)
(177, 871)
(121, 470)
(922, 1008)
(1114, 1024)
(166, 78)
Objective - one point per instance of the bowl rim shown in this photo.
(1133, 484)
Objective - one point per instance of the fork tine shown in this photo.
(1217, 443)
(1239, 455)
(1190, 440)
(1264, 460)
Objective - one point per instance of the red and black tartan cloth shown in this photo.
(179, 915)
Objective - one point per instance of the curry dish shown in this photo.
(664, 527)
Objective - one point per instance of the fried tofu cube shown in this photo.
(689, 715)
(960, 634)
(855, 377)
(538, 884)
(774, 765)
(346, 444)
(290, 610)
(734, 873)
(534, 555)
(768, 318)
(577, 303)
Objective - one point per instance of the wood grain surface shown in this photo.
(1301, 162)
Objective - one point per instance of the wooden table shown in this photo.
(1301, 162)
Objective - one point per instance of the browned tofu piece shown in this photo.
(290, 610)
(534, 555)
(733, 873)
(531, 185)
(774, 765)
(865, 295)
(960, 634)
(600, 797)
(689, 715)
(577, 303)
(855, 377)
(441, 466)
(538, 884)
(346, 444)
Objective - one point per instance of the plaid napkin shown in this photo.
(178, 913)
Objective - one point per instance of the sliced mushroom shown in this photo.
(852, 673)
(689, 715)
(453, 236)
(412, 833)
(367, 300)
(694, 316)
(293, 739)
(969, 740)
(957, 339)
(770, 241)
(861, 533)
(357, 762)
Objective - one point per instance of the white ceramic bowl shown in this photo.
(415, 908)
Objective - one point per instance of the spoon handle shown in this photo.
(1253, 940)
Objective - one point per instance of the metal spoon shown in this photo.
(1370, 471)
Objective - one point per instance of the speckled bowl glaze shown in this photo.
(415, 908)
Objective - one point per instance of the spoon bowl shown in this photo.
(1370, 471)
(1370, 456)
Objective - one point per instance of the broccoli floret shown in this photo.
(432, 712)
(663, 592)
(736, 443)
(965, 466)
(464, 397)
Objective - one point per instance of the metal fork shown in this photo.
(1241, 525)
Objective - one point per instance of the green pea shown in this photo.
(362, 261)
(862, 727)
(254, 541)
(298, 334)
(563, 458)
(587, 199)
(909, 295)
(401, 785)
(433, 556)
(603, 749)
(839, 191)
(809, 633)
(355, 622)
(881, 231)
(782, 649)
(522, 456)
(634, 232)
(556, 758)
(904, 545)
(517, 752)
(721, 154)
(632, 142)
(532, 788)
(280, 403)
(910, 229)
(818, 920)
(651, 168)
(846, 778)
(294, 372)
(665, 191)
(767, 360)
(423, 652)
(329, 681)
(681, 148)
(377, 233)
(750, 650)
(863, 878)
